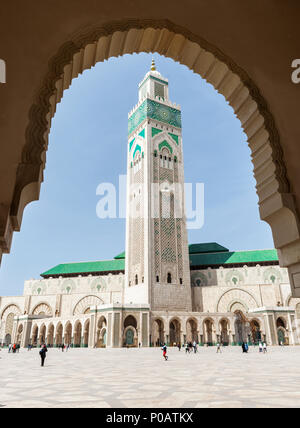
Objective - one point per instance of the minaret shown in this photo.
(157, 263)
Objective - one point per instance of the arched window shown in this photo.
(180, 280)
(157, 278)
(169, 278)
(136, 280)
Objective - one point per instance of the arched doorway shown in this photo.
(208, 332)
(224, 329)
(77, 334)
(19, 334)
(101, 332)
(7, 339)
(241, 327)
(191, 331)
(68, 334)
(50, 335)
(255, 331)
(42, 337)
(174, 329)
(86, 332)
(281, 332)
(157, 332)
(130, 336)
(59, 335)
(34, 338)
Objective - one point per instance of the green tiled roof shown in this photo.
(207, 254)
(233, 257)
(86, 267)
(120, 256)
(209, 247)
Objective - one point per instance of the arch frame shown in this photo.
(94, 43)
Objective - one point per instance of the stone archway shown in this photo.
(174, 332)
(208, 330)
(86, 333)
(68, 334)
(191, 330)
(77, 334)
(282, 335)
(34, 337)
(224, 331)
(130, 334)
(19, 334)
(42, 335)
(95, 44)
(102, 332)
(59, 335)
(255, 328)
(158, 332)
(50, 335)
(241, 327)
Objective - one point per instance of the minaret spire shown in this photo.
(153, 68)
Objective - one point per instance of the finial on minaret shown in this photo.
(153, 68)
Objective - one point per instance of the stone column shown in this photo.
(291, 332)
(92, 339)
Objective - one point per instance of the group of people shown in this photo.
(13, 348)
(262, 347)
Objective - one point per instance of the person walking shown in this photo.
(9, 348)
(265, 347)
(260, 347)
(219, 348)
(178, 346)
(164, 349)
(43, 354)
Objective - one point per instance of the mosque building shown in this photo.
(161, 289)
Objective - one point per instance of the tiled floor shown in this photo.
(141, 378)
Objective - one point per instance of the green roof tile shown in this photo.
(233, 257)
(120, 256)
(86, 267)
(209, 247)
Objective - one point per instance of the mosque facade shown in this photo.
(161, 289)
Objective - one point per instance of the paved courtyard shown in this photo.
(141, 378)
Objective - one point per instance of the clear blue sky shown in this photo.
(88, 146)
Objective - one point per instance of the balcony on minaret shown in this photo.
(154, 86)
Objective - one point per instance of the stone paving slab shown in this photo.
(140, 378)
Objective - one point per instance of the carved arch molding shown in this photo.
(95, 44)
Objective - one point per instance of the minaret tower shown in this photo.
(157, 263)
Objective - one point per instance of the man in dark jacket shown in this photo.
(43, 354)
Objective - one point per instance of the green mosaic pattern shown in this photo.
(155, 131)
(137, 149)
(131, 144)
(165, 144)
(175, 137)
(154, 110)
(142, 133)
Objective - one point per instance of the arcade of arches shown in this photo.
(229, 306)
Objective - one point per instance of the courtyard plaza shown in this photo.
(140, 378)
